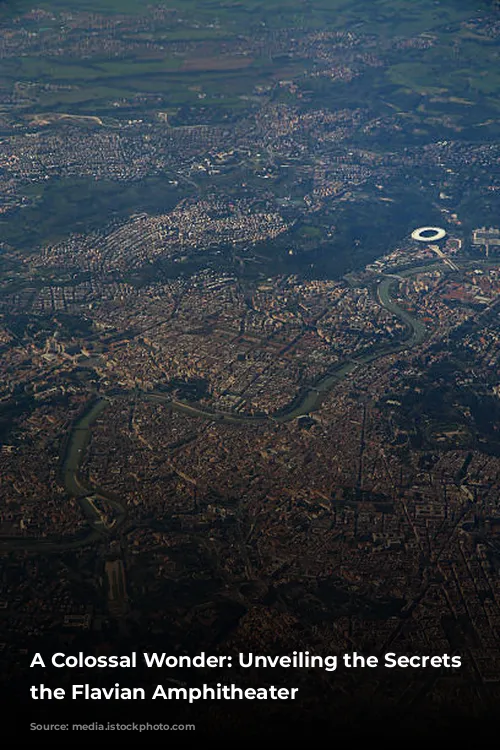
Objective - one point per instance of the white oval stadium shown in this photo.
(428, 234)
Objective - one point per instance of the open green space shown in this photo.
(82, 204)
(458, 64)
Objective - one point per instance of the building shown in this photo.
(485, 238)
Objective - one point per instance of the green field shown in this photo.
(98, 79)
(215, 62)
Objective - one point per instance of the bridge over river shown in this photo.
(310, 400)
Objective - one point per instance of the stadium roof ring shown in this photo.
(428, 234)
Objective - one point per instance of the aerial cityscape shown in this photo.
(250, 348)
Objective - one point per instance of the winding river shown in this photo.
(306, 403)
